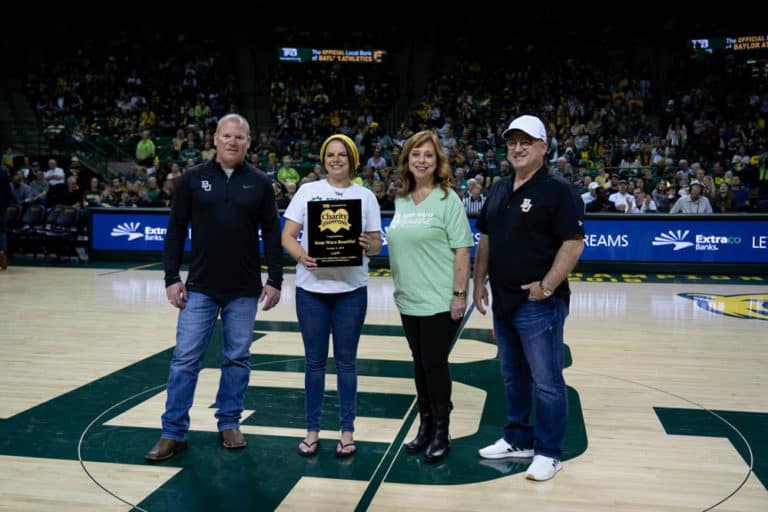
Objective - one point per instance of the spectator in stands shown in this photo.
(93, 195)
(602, 203)
(718, 173)
(699, 174)
(528, 252)
(82, 174)
(591, 194)
(642, 202)
(55, 177)
(280, 195)
(272, 166)
(684, 168)
(660, 196)
(166, 193)
(429, 235)
(151, 194)
(21, 193)
(224, 278)
(72, 195)
(25, 168)
(376, 161)
(287, 174)
(331, 298)
(208, 152)
(694, 202)
(39, 186)
(387, 203)
(602, 178)
(740, 194)
(190, 152)
(461, 182)
(5, 201)
(677, 134)
(622, 199)
(145, 150)
(8, 159)
(724, 201)
(762, 175)
(178, 143)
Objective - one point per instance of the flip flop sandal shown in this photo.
(309, 452)
(340, 453)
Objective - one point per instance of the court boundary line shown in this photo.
(118, 404)
(705, 409)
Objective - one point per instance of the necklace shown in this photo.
(339, 192)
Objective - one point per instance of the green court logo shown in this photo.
(117, 418)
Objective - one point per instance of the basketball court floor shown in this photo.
(668, 398)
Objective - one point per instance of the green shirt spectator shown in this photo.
(287, 174)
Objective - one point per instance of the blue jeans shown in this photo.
(193, 334)
(318, 313)
(531, 352)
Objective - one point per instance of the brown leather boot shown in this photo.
(165, 449)
(232, 438)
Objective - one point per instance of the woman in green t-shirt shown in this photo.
(429, 245)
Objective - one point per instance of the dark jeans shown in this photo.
(430, 339)
(531, 353)
(318, 314)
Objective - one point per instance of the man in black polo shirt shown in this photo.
(532, 230)
(226, 201)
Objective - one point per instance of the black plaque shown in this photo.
(333, 229)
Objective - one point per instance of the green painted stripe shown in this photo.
(386, 462)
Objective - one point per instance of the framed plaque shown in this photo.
(333, 228)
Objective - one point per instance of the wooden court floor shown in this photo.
(668, 399)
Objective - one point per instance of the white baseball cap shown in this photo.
(593, 185)
(531, 125)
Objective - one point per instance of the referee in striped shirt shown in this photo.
(476, 199)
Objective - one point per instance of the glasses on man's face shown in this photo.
(524, 143)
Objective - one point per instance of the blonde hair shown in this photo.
(443, 176)
(235, 118)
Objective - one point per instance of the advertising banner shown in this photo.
(636, 239)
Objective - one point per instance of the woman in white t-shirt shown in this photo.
(331, 297)
(429, 243)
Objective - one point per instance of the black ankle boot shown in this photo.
(424, 436)
(441, 443)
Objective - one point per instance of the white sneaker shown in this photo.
(542, 468)
(503, 450)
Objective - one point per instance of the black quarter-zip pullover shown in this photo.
(225, 216)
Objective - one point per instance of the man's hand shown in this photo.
(177, 295)
(480, 295)
(269, 297)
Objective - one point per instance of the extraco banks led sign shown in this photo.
(676, 239)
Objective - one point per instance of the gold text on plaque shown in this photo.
(334, 220)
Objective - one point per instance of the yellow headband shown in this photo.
(349, 142)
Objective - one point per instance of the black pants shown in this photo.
(430, 339)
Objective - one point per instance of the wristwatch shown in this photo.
(460, 294)
(546, 291)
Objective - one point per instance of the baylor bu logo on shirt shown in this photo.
(526, 205)
(206, 186)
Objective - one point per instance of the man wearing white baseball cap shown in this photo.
(532, 230)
